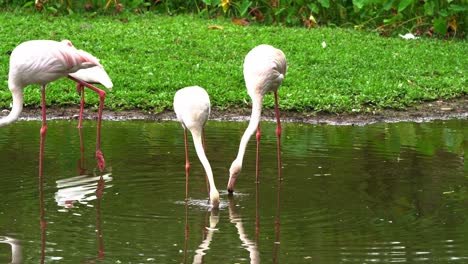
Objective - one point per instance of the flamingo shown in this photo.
(192, 107)
(41, 62)
(264, 71)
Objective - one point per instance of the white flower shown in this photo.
(324, 45)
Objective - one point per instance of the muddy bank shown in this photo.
(441, 109)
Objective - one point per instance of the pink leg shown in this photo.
(257, 170)
(81, 163)
(102, 96)
(278, 134)
(80, 90)
(44, 123)
(187, 165)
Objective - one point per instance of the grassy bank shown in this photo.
(150, 57)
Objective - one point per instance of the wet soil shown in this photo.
(440, 109)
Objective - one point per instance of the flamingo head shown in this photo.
(233, 173)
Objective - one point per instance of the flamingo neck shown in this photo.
(251, 128)
(17, 94)
(197, 141)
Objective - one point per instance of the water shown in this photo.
(380, 193)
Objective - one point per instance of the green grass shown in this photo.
(150, 57)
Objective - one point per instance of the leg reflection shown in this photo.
(248, 244)
(277, 221)
(41, 198)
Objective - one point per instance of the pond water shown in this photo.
(378, 193)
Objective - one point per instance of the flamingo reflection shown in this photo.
(205, 244)
(83, 189)
(277, 223)
(16, 255)
(249, 245)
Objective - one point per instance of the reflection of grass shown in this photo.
(149, 57)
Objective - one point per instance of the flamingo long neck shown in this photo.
(251, 128)
(17, 94)
(197, 141)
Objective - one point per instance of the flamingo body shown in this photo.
(44, 61)
(192, 107)
(264, 72)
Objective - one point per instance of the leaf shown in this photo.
(388, 5)
(440, 26)
(52, 9)
(324, 3)
(225, 4)
(359, 3)
(404, 4)
(458, 8)
(429, 8)
(453, 24)
(240, 21)
(314, 8)
(245, 7)
(393, 19)
(28, 4)
(216, 27)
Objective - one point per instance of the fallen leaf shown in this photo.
(240, 21)
(216, 27)
(257, 14)
(453, 24)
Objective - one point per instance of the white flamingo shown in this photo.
(264, 71)
(41, 62)
(192, 107)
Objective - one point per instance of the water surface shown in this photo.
(379, 193)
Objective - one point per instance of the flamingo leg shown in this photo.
(278, 134)
(80, 90)
(102, 96)
(257, 169)
(187, 164)
(44, 123)
(81, 163)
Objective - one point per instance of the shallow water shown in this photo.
(379, 193)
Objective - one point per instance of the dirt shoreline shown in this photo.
(440, 109)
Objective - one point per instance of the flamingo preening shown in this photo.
(192, 107)
(264, 71)
(41, 62)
